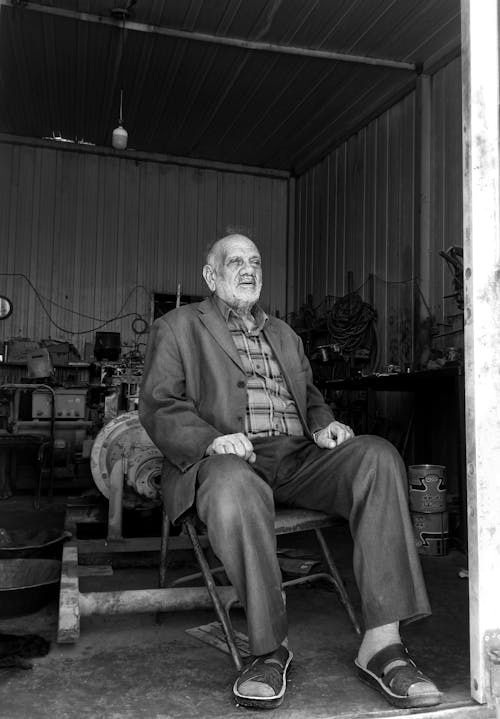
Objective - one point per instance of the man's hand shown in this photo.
(237, 444)
(333, 435)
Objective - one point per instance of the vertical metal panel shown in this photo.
(360, 203)
(356, 213)
(446, 217)
(95, 235)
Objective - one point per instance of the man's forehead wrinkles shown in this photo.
(227, 257)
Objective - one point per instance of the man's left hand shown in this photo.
(333, 435)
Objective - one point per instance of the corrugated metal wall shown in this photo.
(96, 234)
(447, 199)
(87, 237)
(356, 214)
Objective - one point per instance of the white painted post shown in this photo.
(480, 83)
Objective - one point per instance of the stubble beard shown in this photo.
(244, 305)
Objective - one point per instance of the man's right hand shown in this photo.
(237, 444)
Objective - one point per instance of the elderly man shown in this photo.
(228, 396)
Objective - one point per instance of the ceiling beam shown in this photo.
(209, 38)
(142, 156)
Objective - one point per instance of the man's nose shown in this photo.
(247, 269)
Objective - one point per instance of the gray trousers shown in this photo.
(362, 480)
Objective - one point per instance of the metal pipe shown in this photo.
(150, 600)
(115, 508)
(218, 39)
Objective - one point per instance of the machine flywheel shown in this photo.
(125, 439)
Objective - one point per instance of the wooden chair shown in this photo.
(287, 521)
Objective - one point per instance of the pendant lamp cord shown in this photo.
(122, 52)
(121, 106)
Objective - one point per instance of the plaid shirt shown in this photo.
(271, 409)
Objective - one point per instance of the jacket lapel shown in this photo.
(275, 339)
(214, 322)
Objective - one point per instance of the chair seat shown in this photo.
(289, 520)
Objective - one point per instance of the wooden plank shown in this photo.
(213, 635)
(133, 544)
(98, 570)
(480, 72)
(68, 629)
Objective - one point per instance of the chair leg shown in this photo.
(165, 535)
(210, 584)
(162, 579)
(337, 579)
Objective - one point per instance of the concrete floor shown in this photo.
(130, 667)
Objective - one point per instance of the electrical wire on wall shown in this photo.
(328, 299)
(101, 322)
(347, 325)
(349, 322)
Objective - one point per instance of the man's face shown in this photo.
(234, 272)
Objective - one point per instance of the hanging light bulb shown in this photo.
(119, 139)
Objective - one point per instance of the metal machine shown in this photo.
(126, 467)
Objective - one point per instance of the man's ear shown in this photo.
(209, 277)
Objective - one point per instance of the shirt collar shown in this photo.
(226, 311)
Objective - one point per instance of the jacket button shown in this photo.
(241, 383)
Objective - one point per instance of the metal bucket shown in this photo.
(27, 585)
(427, 488)
(29, 544)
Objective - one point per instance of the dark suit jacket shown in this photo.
(194, 389)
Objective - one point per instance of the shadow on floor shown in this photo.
(129, 667)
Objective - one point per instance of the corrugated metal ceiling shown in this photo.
(62, 65)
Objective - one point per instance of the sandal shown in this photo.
(395, 683)
(269, 669)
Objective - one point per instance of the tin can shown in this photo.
(453, 354)
(431, 533)
(427, 487)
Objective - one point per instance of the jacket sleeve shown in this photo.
(166, 412)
